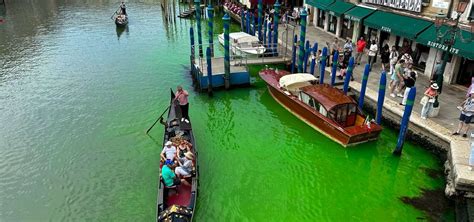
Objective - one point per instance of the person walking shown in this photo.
(393, 59)
(361, 43)
(428, 100)
(385, 56)
(467, 110)
(409, 82)
(182, 98)
(396, 77)
(372, 53)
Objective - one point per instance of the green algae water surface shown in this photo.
(76, 96)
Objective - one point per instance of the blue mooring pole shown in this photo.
(226, 21)
(252, 24)
(242, 19)
(260, 19)
(350, 67)
(247, 18)
(192, 57)
(209, 71)
(382, 84)
(197, 6)
(335, 62)
(405, 121)
(306, 56)
(313, 60)
(293, 56)
(210, 15)
(302, 40)
(276, 18)
(269, 41)
(365, 78)
(263, 37)
(322, 69)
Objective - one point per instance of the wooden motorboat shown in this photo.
(242, 43)
(186, 14)
(121, 20)
(178, 204)
(323, 107)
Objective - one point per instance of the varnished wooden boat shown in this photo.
(172, 206)
(323, 107)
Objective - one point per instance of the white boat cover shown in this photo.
(295, 81)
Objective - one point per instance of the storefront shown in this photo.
(320, 15)
(336, 23)
(460, 66)
(353, 19)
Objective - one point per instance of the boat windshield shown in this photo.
(344, 114)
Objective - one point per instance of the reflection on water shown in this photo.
(120, 30)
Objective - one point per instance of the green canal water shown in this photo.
(76, 97)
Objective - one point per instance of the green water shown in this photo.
(76, 97)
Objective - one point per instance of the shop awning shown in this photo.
(321, 4)
(339, 7)
(428, 37)
(404, 26)
(358, 13)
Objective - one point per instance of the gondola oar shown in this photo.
(158, 119)
(111, 17)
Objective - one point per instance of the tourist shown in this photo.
(372, 53)
(467, 110)
(186, 168)
(360, 49)
(393, 58)
(334, 48)
(182, 97)
(428, 100)
(409, 82)
(348, 46)
(169, 178)
(183, 148)
(168, 152)
(408, 59)
(470, 90)
(437, 71)
(123, 8)
(385, 57)
(396, 77)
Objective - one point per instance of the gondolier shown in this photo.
(123, 8)
(182, 97)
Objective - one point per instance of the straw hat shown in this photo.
(189, 155)
(434, 86)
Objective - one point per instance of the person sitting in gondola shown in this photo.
(183, 148)
(169, 178)
(186, 168)
(168, 152)
(123, 8)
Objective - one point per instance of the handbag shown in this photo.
(424, 100)
(431, 100)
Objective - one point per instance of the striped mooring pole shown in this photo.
(365, 78)
(247, 22)
(313, 60)
(302, 40)
(335, 60)
(269, 41)
(405, 121)
(209, 71)
(306, 55)
(380, 100)
(210, 32)
(350, 67)
(293, 55)
(192, 57)
(276, 18)
(197, 6)
(260, 14)
(322, 69)
(226, 21)
(263, 37)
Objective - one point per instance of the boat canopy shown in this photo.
(328, 96)
(295, 81)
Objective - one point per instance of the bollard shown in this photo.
(348, 75)
(197, 6)
(293, 55)
(209, 71)
(365, 78)
(210, 32)
(191, 35)
(323, 65)
(313, 60)
(405, 121)
(302, 40)
(260, 14)
(306, 55)
(335, 60)
(264, 38)
(276, 17)
(226, 21)
(382, 84)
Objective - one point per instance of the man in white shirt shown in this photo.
(169, 151)
(372, 53)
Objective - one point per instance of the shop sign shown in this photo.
(355, 19)
(386, 29)
(440, 4)
(443, 47)
(410, 5)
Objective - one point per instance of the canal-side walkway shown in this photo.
(440, 127)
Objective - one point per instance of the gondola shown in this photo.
(177, 204)
(121, 20)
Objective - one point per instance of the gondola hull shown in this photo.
(121, 23)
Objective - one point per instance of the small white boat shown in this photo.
(243, 43)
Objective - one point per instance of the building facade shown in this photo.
(406, 24)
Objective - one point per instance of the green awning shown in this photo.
(321, 4)
(339, 7)
(358, 13)
(404, 26)
(428, 37)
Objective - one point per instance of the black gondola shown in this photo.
(177, 204)
(121, 20)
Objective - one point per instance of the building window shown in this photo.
(332, 24)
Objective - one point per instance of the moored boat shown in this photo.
(177, 203)
(242, 43)
(323, 107)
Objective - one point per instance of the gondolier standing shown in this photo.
(182, 97)
(122, 8)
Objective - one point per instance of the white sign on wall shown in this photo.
(410, 5)
(440, 4)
